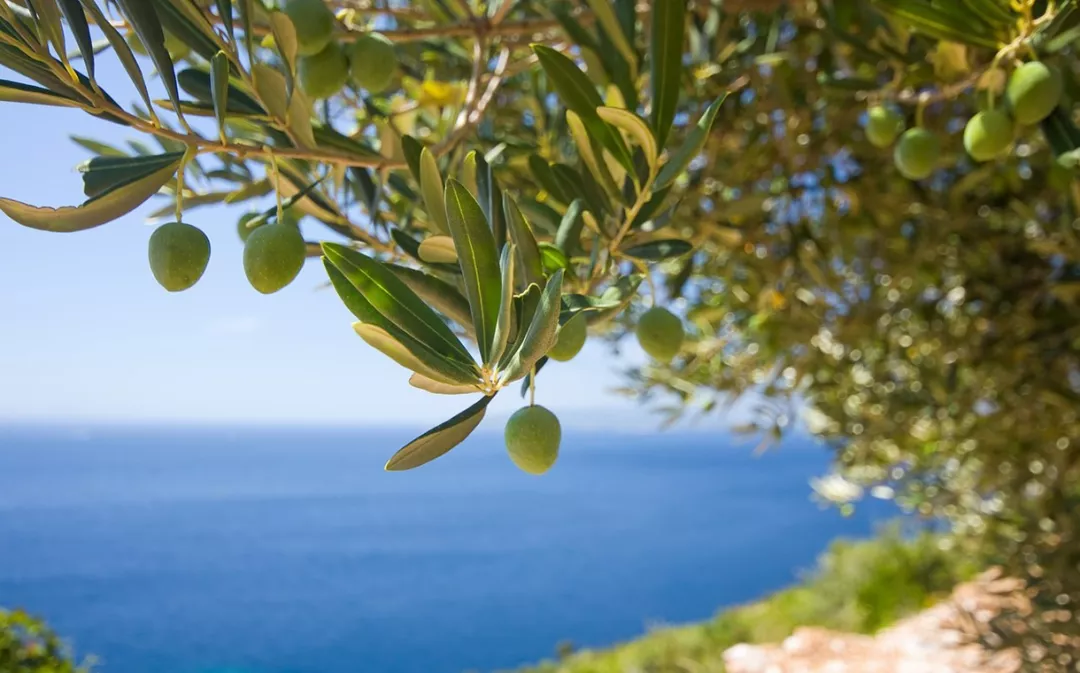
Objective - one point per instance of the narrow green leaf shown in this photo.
(105, 173)
(505, 323)
(393, 345)
(285, 40)
(225, 13)
(431, 187)
(525, 305)
(394, 342)
(396, 302)
(412, 148)
(690, 148)
(144, 19)
(521, 235)
(98, 147)
(605, 16)
(666, 51)
(543, 174)
(489, 196)
(247, 10)
(219, 81)
(121, 48)
(438, 294)
(103, 208)
(589, 154)
(578, 94)
(186, 22)
(440, 388)
(540, 336)
(635, 127)
(201, 84)
(80, 29)
(271, 87)
(49, 16)
(553, 258)
(937, 22)
(440, 439)
(17, 92)
(468, 172)
(478, 259)
(569, 235)
(659, 249)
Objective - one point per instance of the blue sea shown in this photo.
(237, 550)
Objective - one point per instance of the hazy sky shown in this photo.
(87, 334)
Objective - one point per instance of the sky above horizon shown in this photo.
(88, 335)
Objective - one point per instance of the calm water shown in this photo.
(290, 551)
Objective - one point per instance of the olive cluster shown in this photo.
(325, 66)
(1031, 94)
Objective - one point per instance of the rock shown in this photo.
(941, 639)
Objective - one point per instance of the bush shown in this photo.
(27, 645)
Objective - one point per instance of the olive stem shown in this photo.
(532, 387)
(180, 187)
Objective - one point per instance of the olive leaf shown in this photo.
(438, 294)
(505, 323)
(478, 260)
(540, 335)
(579, 94)
(392, 340)
(104, 207)
(666, 52)
(396, 302)
(589, 154)
(438, 250)
(690, 148)
(635, 127)
(521, 236)
(439, 387)
(219, 83)
(144, 19)
(80, 29)
(569, 234)
(17, 92)
(659, 249)
(120, 48)
(440, 439)
(431, 187)
(225, 13)
(105, 173)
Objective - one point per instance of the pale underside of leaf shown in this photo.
(103, 208)
(431, 385)
(440, 439)
(381, 340)
(438, 250)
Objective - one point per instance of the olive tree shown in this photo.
(866, 211)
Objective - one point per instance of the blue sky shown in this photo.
(87, 334)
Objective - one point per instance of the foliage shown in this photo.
(857, 587)
(29, 646)
(521, 163)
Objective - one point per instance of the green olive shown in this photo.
(988, 134)
(883, 126)
(273, 256)
(1033, 91)
(325, 73)
(314, 24)
(373, 62)
(179, 254)
(532, 439)
(916, 154)
(571, 338)
(660, 333)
